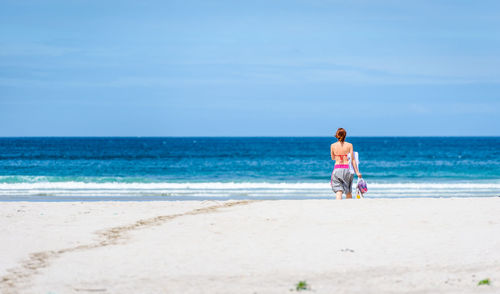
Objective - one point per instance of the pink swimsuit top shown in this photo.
(341, 165)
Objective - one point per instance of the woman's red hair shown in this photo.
(340, 135)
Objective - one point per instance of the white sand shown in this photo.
(356, 246)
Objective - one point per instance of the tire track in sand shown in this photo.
(19, 277)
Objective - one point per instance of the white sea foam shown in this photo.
(248, 189)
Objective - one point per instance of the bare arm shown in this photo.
(331, 152)
(354, 163)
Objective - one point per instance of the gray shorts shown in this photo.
(341, 180)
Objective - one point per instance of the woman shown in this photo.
(341, 180)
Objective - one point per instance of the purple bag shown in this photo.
(362, 187)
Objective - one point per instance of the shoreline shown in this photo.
(107, 199)
(411, 245)
(135, 191)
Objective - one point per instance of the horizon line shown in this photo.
(371, 136)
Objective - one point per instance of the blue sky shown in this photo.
(249, 68)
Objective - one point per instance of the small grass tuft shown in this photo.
(484, 282)
(302, 285)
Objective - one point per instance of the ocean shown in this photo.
(173, 168)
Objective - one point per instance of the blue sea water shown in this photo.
(228, 167)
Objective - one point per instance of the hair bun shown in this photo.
(340, 135)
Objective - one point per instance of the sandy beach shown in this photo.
(357, 246)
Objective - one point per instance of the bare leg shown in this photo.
(339, 195)
(348, 196)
